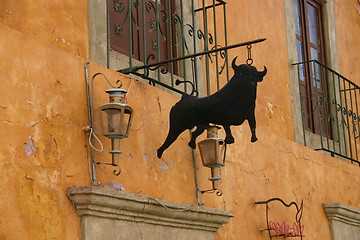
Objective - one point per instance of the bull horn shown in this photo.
(233, 64)
(263, 73)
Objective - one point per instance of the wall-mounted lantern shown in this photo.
(115, 120)
(116, 117)
(212, 152)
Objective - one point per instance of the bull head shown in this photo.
(245, 68)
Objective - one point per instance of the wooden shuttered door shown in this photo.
(143, 29)
(310, 46)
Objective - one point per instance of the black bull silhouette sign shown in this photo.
(231, 105)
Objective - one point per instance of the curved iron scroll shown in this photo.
(194, 92)
(217, 191)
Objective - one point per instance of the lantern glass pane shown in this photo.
(221, 152)
(208, 152)
(111, 121)
(126, 122)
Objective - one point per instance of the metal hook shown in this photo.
(117, 82)
(249, 61)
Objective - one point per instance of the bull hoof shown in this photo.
(253, 139)
(192, 145)
(229, 140)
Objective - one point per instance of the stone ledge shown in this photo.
(121, 206)
(342, 213)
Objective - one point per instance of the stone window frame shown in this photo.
(332, 60)
(107, 214)
(344, 221)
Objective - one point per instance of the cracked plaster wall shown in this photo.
(43, 47)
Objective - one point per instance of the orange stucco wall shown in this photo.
(348, 33)
(44, 47)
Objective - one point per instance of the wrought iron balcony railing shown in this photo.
(182, 39)
(333, 107)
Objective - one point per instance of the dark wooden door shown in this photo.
(313, 84)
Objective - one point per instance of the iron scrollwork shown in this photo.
(159, 17)
(120, 7)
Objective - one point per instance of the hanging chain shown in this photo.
(249, 61)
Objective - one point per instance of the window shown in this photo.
(310, 46)
(325, 103)
(161, 31)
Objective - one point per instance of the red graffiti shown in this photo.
(283, 229)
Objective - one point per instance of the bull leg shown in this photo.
(229, 137)
(172, 136)
(252, 124)
(199, 130)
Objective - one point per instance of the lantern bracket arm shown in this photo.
(116, 172)
(217, 191)
(90, 103)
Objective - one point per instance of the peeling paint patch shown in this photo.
(114, 185)
(270, 107)
(164, 166)
(30, 149)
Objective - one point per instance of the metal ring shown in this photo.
(249, 61)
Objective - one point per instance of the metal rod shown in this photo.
(341, 114)
(206, 38)
(348, 123)
(157, 37)
(170, 30)
(226, 43)
(91, 120)
(216, 44)
(198, 192)
(107, 35)
(132, 69)
(194, 64)
(144, 32)
(353, 125)
(358, 124)
(130, 32)
(183, 41)
(336, 115)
